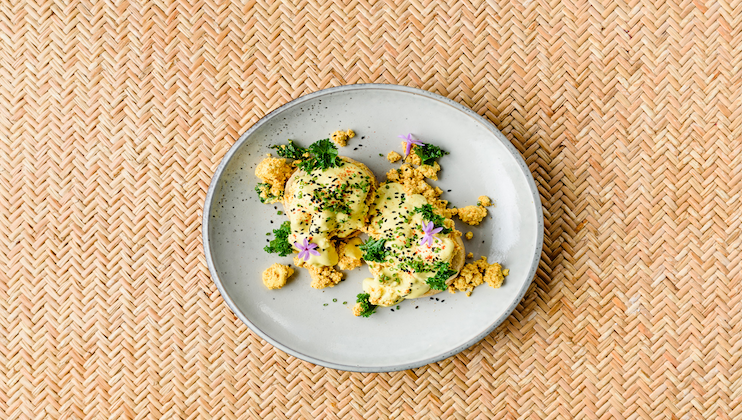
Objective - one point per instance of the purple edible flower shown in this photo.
(428, 233)
(409, 142)
(305, 249)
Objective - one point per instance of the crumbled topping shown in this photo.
(485, 201)
(393, 157)
(341, 137)
(495, 275)
(413, 181)
(349, 254)
(476, 273)
(413, 159)
(274, 172)
(430, 171)
(275, 276)
(472, 215)
(322, 277)
(469, 235)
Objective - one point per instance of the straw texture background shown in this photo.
(114, 115)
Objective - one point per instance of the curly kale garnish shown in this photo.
(326, 154)
(322, 154)
(374, 250)
(429, 215)
(443, 272)
(290, 151)
(280, 245)
(367, 309)
(428, 153)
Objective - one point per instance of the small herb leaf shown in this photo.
(374, 250)
(367, 309)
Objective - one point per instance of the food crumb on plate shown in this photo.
(485, 201)
(275, 276)
(476, 273)
(393, 157)
(469, 235)
(341, 137)
(472, 215)
(273, 172)
(324, 276)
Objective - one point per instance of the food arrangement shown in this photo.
(412, 247)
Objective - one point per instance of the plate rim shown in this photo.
(208, 202)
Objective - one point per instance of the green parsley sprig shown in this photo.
(290, 151)
(322, 154)
(428, 153)
(373, 250)
(443, 272)
(280, 245)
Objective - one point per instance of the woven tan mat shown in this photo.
(114, 115)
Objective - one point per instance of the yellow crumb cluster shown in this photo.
(393, 157)
(483, 200)
(378, 295)
(469, 235)
(349, 254)
(472, 215)
(413, 181)
(476, 273)
(470, 255)
(341, 137)
(275, 276)
(274, 172)
(412, 158)
(357, 309)
(321, 276)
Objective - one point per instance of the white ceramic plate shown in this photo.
(308, 323)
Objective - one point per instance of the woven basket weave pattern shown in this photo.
(114, 116)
